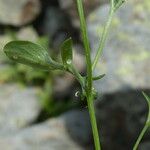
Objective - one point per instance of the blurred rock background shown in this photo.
(39, 110)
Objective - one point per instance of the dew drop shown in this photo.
(15, 57)
(69, 61)
(38, 57)
(77, 94)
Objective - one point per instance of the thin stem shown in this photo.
(93, 123)
(89, 93)
(141, 136)
(86, 44)
(103, 38)
(146, 126)
(78, 76)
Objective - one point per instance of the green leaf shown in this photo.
(147, 98)
(43, 41)
(99, 77)
(117, 3)
(30, 54)
(66, 52)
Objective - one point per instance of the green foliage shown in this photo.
(115, 4)
(118, 4)
(99, 77)
(31, 54)
(43, 41)
(36, 56)
(27, 76)
(66, 52)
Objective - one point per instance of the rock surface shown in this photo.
(27, 33)
(144, 146)
(54, 134)
(57, 26)
(70, 7)
(18, 108)
(18, 13)
(121, 117)
(126, 56)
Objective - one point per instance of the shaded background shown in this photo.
(39, 110)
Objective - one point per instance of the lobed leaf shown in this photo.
(30, 54)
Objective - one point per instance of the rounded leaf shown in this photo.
(66, 52)
(30, 54)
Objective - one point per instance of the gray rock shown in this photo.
(126, 56)
(57, 26)
(122, 111)
(121, 117)
(70, 7)
(18, 108)
(18, 13)
(54, 134)
(5, 69)
(144, 146)
(3, 41)
(65, 4)
(27, 33)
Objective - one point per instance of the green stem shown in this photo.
(103, 38)
(146, 126)
(93, 123)
(89, 85)
(141, 136)
(78, 76)
(86, 44)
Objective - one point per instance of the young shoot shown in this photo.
(36, 56)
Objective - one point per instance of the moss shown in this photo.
(92, 17)
(99, 30)
(116, 22)
(101, 67)
(125, 37)
(146, 4)
(139, 8)
(123, 71)
(137, 57)
(142, 6)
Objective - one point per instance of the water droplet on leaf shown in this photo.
(15, 57)
(77, 94)
(69, 61)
